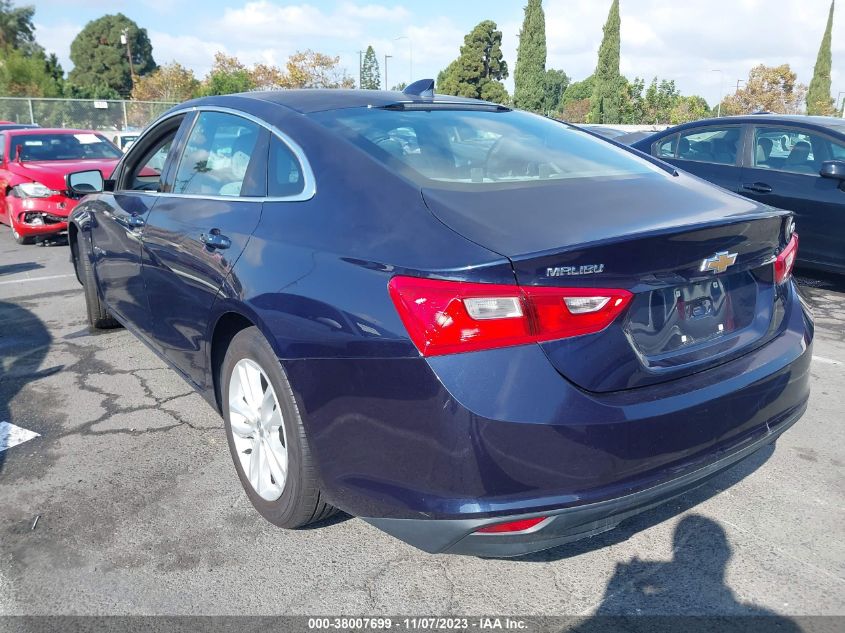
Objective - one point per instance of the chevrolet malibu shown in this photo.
(480, 330)
(34, 199)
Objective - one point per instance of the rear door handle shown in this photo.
(130, 221)
(758, 187)
(213, 239)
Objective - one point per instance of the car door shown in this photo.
(710, 151)
(782, 170)
(197, 231)
(119, 219)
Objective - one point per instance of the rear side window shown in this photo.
(665, 148)
(219, 156)
(284, 173)
(477, 147)
(793, 150)
(710, 145)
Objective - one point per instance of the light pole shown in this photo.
(360, 68)
(386, 57)
(410, 56)
(739, 81)
(721, 76)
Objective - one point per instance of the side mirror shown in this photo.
(833, 169)
(85, 182)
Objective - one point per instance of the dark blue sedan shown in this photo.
(786, 161)
(482, 331)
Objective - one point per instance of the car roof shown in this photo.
(307, 101)
(775, 119)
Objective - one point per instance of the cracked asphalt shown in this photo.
(141, 512)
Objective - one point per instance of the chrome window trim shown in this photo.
(309, 185)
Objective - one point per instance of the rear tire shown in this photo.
(272, 430)
(98, 317)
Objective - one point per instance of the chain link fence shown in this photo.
(89, 114)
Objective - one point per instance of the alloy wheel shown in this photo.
(258, 429)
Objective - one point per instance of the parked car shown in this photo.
(478, 352)
(632, 137)
(34, 198)
(605, 130)
(9, 125)
(123, 139)
(790, 162)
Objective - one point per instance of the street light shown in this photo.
(721, 77)
(410, 56)
(386, 57)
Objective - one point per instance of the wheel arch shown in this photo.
(230, 319)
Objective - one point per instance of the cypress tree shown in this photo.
(530, 72)
(605, 104)
(370, 77)
(478, 71)
(818, 96)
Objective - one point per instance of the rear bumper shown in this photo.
(466, 440)
(52, 213)
(564, 525)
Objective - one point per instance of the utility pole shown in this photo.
(360, 67)
(386, 57)
(739, 81)
(124, 39)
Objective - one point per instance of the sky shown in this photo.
(704, 45)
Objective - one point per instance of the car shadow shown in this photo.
(24, 343)
(22, 267)
(652, 595)
(661, 513)
(820, 280)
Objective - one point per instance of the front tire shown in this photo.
(98, 317)
(266, 436)
(20, 239)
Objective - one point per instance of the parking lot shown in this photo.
(127, 502)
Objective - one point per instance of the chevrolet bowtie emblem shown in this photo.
(719, 263)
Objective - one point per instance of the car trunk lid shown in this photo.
(699, 266)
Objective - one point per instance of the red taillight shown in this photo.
(449, 317)
(785, 262)
(522, 525)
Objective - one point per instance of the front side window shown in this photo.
(217, 157)
(61, 146)
(793, 150)
(712, 144)
(476, 147)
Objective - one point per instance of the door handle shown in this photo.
(130, 221)
(759, 187)
(213, 239)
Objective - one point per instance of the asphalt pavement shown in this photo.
(127, 502)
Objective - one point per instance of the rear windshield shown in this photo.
(481, 147)
(76, 146)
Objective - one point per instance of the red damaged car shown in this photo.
(34, 198)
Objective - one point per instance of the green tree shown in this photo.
(478, 71)
(530, 80)
(28, 75)
(400, 86)
(605, 102)
(370, 76)
(16, 27)
(101, 59)
(555, 85)
(690, 108)
(227, 76)
(818, 96)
